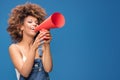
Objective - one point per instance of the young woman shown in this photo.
(29, 64)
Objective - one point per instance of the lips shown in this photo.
(32, 28)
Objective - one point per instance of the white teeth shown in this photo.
(32, 28)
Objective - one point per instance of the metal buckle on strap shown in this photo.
(36, 65)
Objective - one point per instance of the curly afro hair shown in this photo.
(17, 16)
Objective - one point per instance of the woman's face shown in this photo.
(29, 25)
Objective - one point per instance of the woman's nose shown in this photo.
(35, 24)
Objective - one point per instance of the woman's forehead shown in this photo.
(31, 18)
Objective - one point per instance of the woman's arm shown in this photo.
(46, 57)
(24, 67)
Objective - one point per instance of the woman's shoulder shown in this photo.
(13, 47)
(14, 50)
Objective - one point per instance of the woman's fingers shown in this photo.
(43, 37)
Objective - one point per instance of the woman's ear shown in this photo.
(22, 28)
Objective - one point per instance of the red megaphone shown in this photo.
(56, 20)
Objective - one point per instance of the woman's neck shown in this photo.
(27, 42)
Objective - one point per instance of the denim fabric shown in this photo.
(37, 72)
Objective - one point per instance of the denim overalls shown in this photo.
(37, 72)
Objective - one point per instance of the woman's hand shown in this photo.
(44, 37)
(47, 36)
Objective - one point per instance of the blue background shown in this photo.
(86, 48)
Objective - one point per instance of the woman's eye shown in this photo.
(29, 21)
(33, 22)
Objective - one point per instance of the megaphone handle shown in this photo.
(40, 49)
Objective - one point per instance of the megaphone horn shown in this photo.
(56, 20)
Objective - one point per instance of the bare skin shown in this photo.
(29, 47)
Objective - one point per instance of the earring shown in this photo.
(20, 32)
